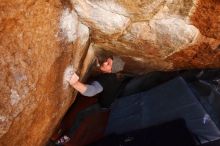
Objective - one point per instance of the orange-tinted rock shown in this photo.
(41, 42)
(197, 56)
(157, 29)
(33, 58)
(206, 18)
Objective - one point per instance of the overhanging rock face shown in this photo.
(41, 42)
(155, 34)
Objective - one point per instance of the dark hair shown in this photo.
(102, 56)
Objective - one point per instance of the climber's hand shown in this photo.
(74, 79)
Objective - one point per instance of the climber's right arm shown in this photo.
(85, 89)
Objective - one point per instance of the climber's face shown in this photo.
(106, 66)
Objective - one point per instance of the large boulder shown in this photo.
(155, 34)
(42, 42)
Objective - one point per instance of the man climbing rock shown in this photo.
(107, 83)
(111, 87)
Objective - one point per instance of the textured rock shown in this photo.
(69, 24)
(157, 32)
(93, 13)
(207, 18)
(35, 52)
(146, 10)
(203, 54)
(42, 42)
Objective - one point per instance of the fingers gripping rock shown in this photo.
(68, 73)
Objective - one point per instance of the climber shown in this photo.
(108, 83)
(111, 86)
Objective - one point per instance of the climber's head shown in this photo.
(104, 63)
(110, 63)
